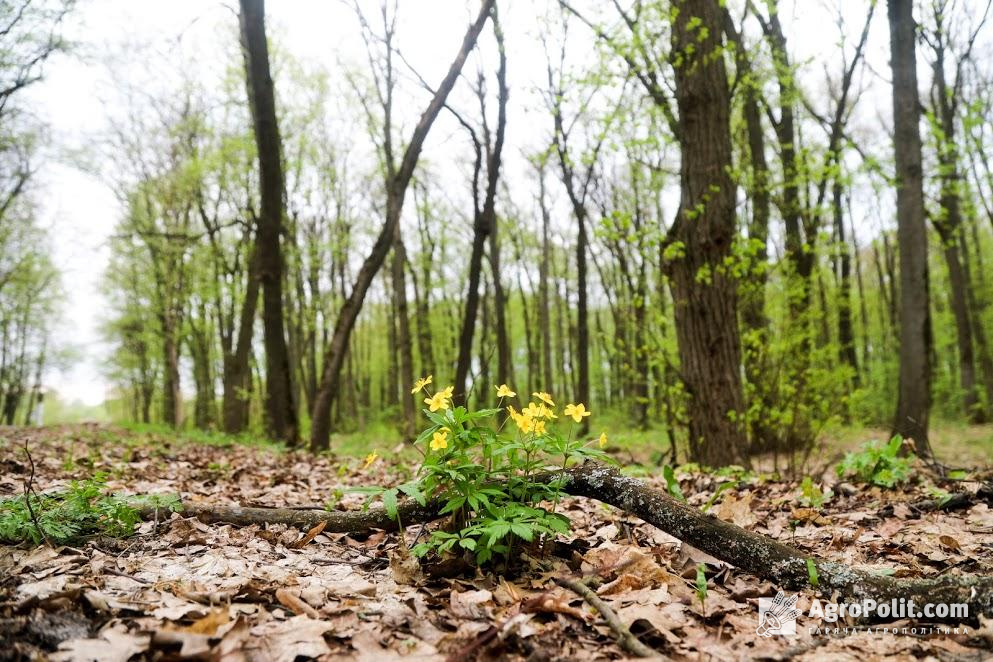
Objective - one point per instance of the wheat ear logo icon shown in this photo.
(775, 616)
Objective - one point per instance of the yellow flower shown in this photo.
(544, 397)
(532, 410)
(503, 391)
(440, 400)
(525, 422)
(539, 427)
(546, 412)
(370, 458)
(603, 440)
(420, 384)
(439, 440)
(577, 412)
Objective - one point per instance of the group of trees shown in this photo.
(30, 32)
(701, 236)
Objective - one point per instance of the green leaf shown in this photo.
(671, 484)
(701, 581)
(390, 503)
(414, 492)
(522, 531)
(812, 572)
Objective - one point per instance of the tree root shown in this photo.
(751, 552)
(625, 639)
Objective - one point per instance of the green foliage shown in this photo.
(498, 486)
(82, 510)
(701, 584)
(812, 495)
(812, 573)
(672, 484)
(880, 465)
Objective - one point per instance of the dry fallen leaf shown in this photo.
(114, 644)
(738, 511)
(310, 535)
(471, 604)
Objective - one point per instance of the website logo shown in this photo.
(777, 615)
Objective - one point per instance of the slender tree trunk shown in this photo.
(846, 332)
(237, 380)
(396, 191)
(281, 414)
(405, 346)
(985, 356)
(914, 401)
(172, 395)
(754, 321)
(706, 312)
(544, 315)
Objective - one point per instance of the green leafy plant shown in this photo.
(812, 573)
(498, 472)
(880, 465)
(701, 585)
(82, 510)
(812, 495)
(672, 483)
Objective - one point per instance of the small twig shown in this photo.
(625, 639)
(28, 491)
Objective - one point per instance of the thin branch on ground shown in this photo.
(625, 639)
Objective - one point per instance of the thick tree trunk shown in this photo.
(281, 413)
(914, 401)
(397, 190)
(704, 292)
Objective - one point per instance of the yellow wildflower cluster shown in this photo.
(440, 400)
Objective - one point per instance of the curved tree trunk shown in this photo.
(397, 190)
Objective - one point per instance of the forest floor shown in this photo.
(182, 589)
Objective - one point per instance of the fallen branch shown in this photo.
(625, 639)
(751, 552)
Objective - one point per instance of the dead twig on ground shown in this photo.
(625, 639)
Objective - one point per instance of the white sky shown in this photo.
(82, 211)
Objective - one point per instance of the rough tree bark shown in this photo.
(914, 401)
(704, 293)
(281, 413)
(397, 190)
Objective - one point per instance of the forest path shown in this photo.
(193, 591)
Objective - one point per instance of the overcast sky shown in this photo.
(141, 36)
